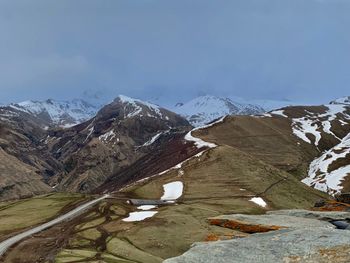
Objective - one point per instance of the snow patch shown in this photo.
(199, 142)
(314, 123)
(136, 105)
(320, 177)
(302, 126)
(279, 112)
(146, 207)
(172, 191)
(153, 139)
(139, 216)
(259, 201)
(107, 137)
(91, 130)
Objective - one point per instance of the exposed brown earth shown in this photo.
(243, 226)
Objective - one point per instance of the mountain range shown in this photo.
(163, 176)
(199, 111)
(75, 146)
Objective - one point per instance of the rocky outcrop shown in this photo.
(305, 236)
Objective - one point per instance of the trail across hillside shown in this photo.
(5, 245)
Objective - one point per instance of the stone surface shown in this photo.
(292, 245)
(305, 239)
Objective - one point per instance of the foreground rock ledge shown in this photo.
(304, 236)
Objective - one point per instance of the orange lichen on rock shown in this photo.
(243, 226)
(212, 237)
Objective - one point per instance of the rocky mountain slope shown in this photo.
(82, 157)
(25, 161)
(205, 109)
(119, 135)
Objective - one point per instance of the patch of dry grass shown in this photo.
(29, 212)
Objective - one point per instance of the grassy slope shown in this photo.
(29, 212)
(267, 139)
(213, 186)
(222, 181)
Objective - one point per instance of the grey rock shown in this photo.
(306, 238)
(340, 224)
(303, 245)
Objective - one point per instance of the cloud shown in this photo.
(174, 50)
(31, 69)
(28, 76)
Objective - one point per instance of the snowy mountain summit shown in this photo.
(126, 108)
(58, 113)
(205, 109)
(343, 100)
(134, 107)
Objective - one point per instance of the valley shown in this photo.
(163, 178)
(198, 131)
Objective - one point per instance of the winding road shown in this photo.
(5, 245)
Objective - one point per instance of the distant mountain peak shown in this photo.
(342, 100)
(204, 109)
(126, 99)
(135, 107)
(58, 113)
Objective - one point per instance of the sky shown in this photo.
(170, 51)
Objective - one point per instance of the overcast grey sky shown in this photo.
(175, 49)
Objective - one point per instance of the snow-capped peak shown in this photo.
(205, 109)
(343, 100)
(135, 107)
(133, 101)
(60, 113)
